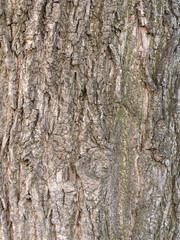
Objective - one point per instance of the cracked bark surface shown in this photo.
(89, 119)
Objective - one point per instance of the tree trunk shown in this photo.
(89, 129)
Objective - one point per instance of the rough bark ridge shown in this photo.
(89, 119)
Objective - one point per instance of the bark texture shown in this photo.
(89, 124)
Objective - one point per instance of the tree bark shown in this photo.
(89, 120)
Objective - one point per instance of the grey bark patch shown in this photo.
(89, 120)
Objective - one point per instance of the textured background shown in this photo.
(89, 119)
